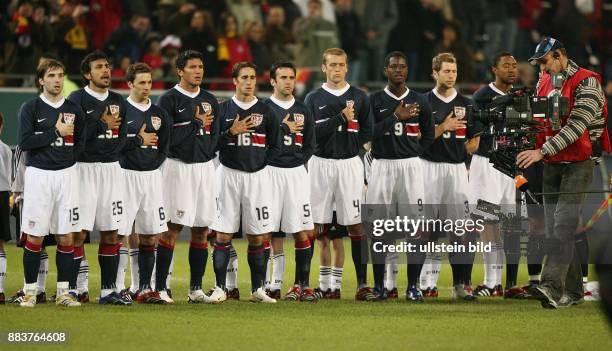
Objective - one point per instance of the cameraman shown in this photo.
(568, 155)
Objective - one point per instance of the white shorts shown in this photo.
(491, 185)
(290, 207)
(144, 203)
(251, 192)
(189, 192)
(447, 190)
(336, 184)
(51, 202)
(101, 193)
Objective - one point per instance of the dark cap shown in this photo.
(545, 46)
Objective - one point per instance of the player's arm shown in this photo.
(28, 139)
(426, 125)
(215, 128)
(178, 133)
(384, 125)
(273, 136)
(80, 131)
(326, 127)
(309, 143)
(163, 135)
(365, 118)
(473, 136)
(133, 141)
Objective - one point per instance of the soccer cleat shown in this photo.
(461, 292)
(165, 296)
(498, 291)
(84, 297)
(364, 294)
(545, 297)
(591, 291)
(515, 293)
(392, 294)
(2, 299)
(320, 294)
(28, 300)
(275, 294)
(41, 297)
(260, 295)
(114, 299)
(333, 294)
(431, 292)
(18, 297)
(568, 301)
(218, 295)
(294, 294)
(381, 294)
(169, 292)
(485, 291)
(233, 294)
(308, 295)
(126, 295)
(149, 297)
(414, 294)
(67, 300)
(198, 296)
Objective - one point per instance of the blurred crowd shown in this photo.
(265, 31)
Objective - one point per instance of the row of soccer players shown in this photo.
(137, 136)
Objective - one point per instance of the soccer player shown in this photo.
(50, 129)
(145, 150)
(6, 168)
(101, 179)
(343, 126)
(189, 173)
(290, 211)
(444, 166)
(491, 185)
(403, 127)
(250, 139)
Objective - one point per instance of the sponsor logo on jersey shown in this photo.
(156, 122)
(298, 117)
(257, 118)
(459, 112)
(69, 118)
(113, 109)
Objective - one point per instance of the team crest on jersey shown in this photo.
(180, 213)
(206, 107)
(459, 112)
(69, 118)
(298, 117)
(350, 103)
(32, 224)
(256, 118)
(113, 109)
(156, 122)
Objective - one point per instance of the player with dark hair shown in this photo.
(402, 129)
(101, 179)
(51, 129)
(250, 140)
(343, 126)
(291, 211)
(145, 150)
(444, 167)
(188, 172)
(6, 156)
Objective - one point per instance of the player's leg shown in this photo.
(198, 256)
(434, 173)
(146, 262)
(64, 261)
(278, 265)
(5, 235)
(81, 266)
(391, 272)
(2, 270)
(267, 248)
(303, 256)
(134, 245)
(337, 269)
(123, 266)
(324, 289)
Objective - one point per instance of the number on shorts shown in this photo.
(356, 205)
(162, 215)
(262, 213)
(117, 208)
(74, 214)
(306, 210)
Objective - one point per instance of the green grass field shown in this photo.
(345, 324)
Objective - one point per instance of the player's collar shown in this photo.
(495, 89)
(284, 104)
(336, 92)
(244, 105)
(396, 97)
(445, 99)
(55, 105)
(187, 93)
(95, 94)
(141, 107)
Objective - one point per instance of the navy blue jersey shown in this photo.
(106, 144)
(135, 155)
(337, 138)
(395, 139)
(482, 100)
(296, 148)
(248, 152)
(37, 133)
(450, 146)
(189, 141)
